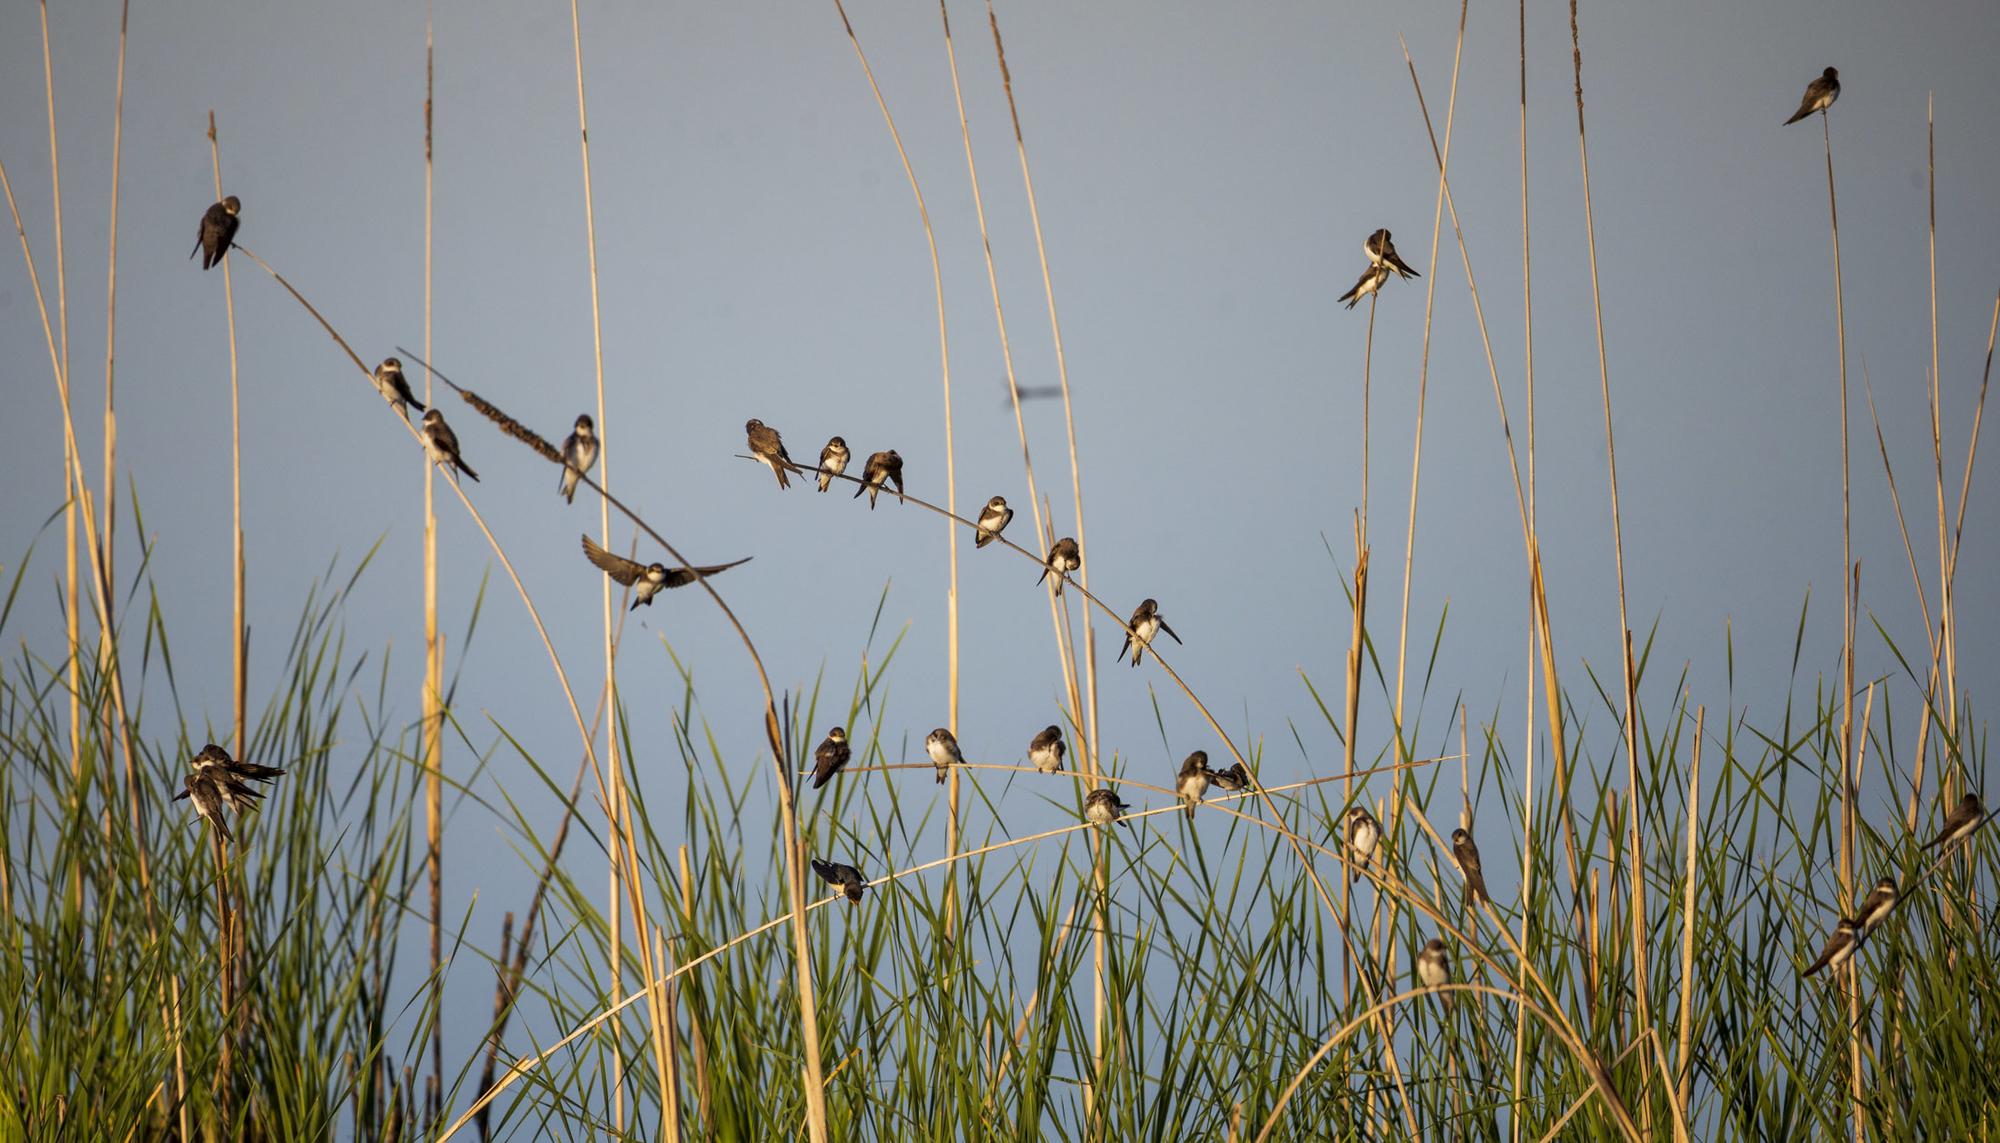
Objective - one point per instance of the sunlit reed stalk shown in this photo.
(107, 629)
(59, 348)
(432, 732)
(1937, 429)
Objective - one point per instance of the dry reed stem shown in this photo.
(431, 734)
(1684, 1086)
(107, 629)
(1937, 429)
(59, 348)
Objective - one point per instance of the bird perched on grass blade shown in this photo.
(845, 878)
(883, 468)
(1820, 94)
(1363, 832)
(215, 781)
(766, 445)
(218, 231)
(442, 444)
(1371, 281)
(1467, 853)
(1102, 807)
(1145, 624)
(1876, 906)
(1839, 947)
(1433, 964)
(1230, 781)
(579, 455)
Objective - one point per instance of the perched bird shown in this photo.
(1820, 94)
(767, 446)
(1145, 624)
(1839, 947)
(1876, 905)
(579, 456)
(1192, 781)
(1102, 807)
(647, 580)
(1433, 965)
(1371, 281)
(215, 780)
(442, 444)
(831, 757)
(845, 878)
(832, 461)
(207, 798)
(1382, 252)
(883, 468)
(1961, 821)
(218, 231)
(1230, 781)
(992, 521)
(1363, 831)
(1467, 853)
(942, 746)
(1046, 751)
(1063, 559)
(395, 388)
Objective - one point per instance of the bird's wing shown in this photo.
(625, 572)
(1170, 631)
(681, 577)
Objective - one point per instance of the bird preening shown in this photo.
(218, 231)
(216, 782)
(1820, 94)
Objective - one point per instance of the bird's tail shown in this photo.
(467, 470)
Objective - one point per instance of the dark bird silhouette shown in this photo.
(1820, 94)
(648, 580)
(218, 232)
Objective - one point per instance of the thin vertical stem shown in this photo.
(432, 731)
(72, 607)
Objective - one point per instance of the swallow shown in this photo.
(1839, 947)
(215, 781)
(1962, 820)
(1046, 751)
(832, 461)
(647, 580)
(992, 521)
(218, 231)
(1467, 853)
(1433, 965)
(1363, 831)
(1145, 624)
(1371, 281)
(1382, 252)
(943, 749)
(831, 757)
(442, 444)
(207, 799)
(845, 878)
(883, 468)
(1192, 781)
(1102, 807)
(1876, 906)
(395, 388)
(1063, 559)
(1820, 94)
(579, 456)
(1025, 393)
(1230, 781)
(767, 446)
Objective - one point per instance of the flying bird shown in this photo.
(218, 232)
(942, 746)
(883, 468)
(1046, 751)
(1063, 559)
(1876, 906)
(1433, 965)
(831, 757)
(1145, 624)
(1839, 947)
(1371, 281)
(1820, 94)
(442, 444)
(579, 456)
(395, 388)
(1467, 853)
(845, 878)
(832, 461)
(1192, 781)
(647, 580)
(1363, 831)
(1102, 807)
(1230, 781)
(1382, 252)
(767, 446)
(992, 521)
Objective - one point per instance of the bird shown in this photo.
(831, 756)
(767, 446)
(1433, 965)
(579, 456)
(647, 580)
(1046, 751)
(442, 444)
(1102, 807)
(992, 521)
(1063, 559)
(1363, 831)
(846, 878)
(1192, 782)
(882, 468)
(1877, 905)
(218, 231)
(215, 781)
(395, 388)
(1382, 252)
(832, 462)
(1839, 947)
(1230, 781)
(1145, 624)
(942, 746)
(1371, 281)
(1961, 821)
(1820, 94)
(1467, 853)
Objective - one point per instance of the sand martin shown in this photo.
(1382, 252)
(831, 757)
(1839, 947)
(1467, 853)
(1145, 624)
(766, 446)
(218, 231)
(883, 468)
(943, 749)
(442, 444)
(579, 456)
(395, 388)
(1102, 807)
(647, 580)
(992, 521)
(832, 461)
(1046, 751)
(1063, 559)
(215, 780)
(1820, 94)
(845, 878)
(1363, 831)
(1962, 820)
(1433, 966)
(1230, 781)
(1876, 905)
(1192, 781)
(1371, 281)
